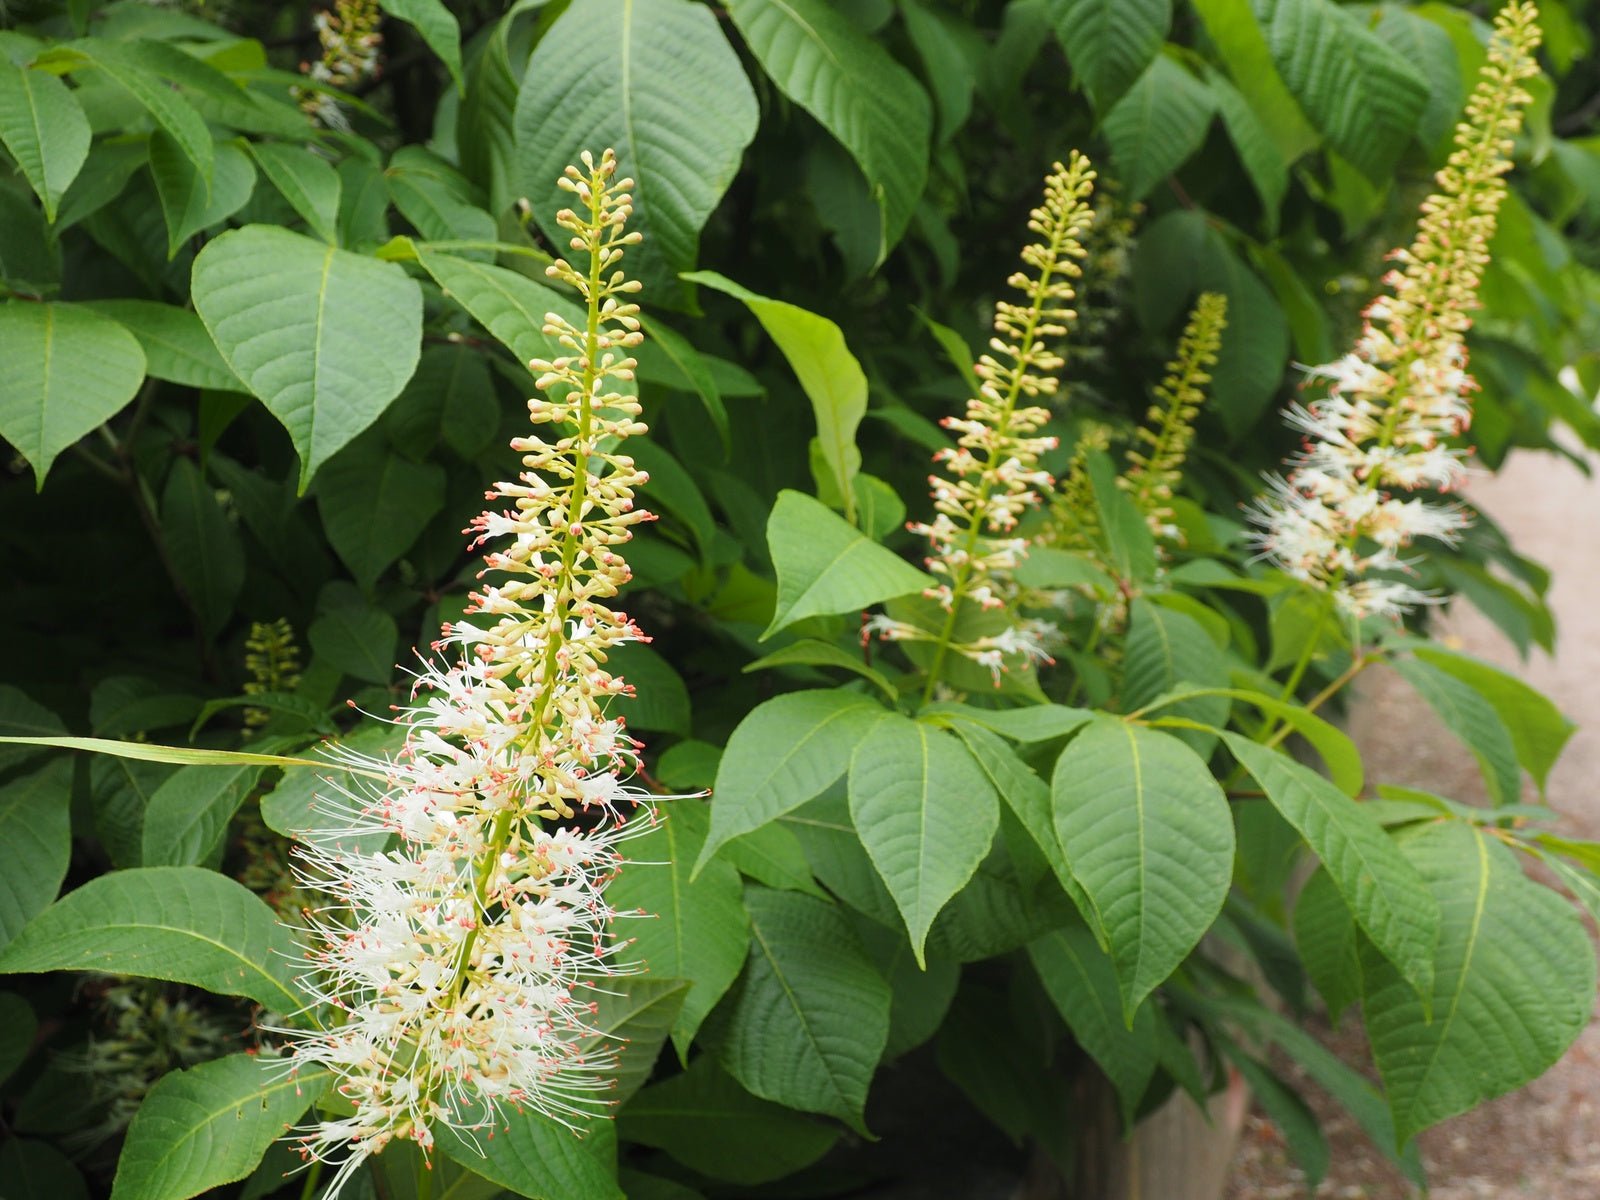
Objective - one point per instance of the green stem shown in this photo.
(313, 1177)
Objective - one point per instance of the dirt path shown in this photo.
(1543, 1141)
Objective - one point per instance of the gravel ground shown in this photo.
(1543, 1141)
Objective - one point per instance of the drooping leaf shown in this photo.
(1166, 648)
(810, 652)
(830, 375)
(120, 791)
(183, 924)
(510, 306)
(1083, 985)
(1474, 721)
(68, 369)
(189, 812)
(18, 1026)
(782, 754)
(632, 1019)
(35, 843)
(1513, 983)
(307, 181)
(1288, 1111)
(204, 547)
(1383, 891)
(375, 504)
(850, 84)
(926, 814)
(1160, 122)
(43, 126)
(540, 1159)
(1110, 42)
(808, 1020)
(451, 399)
(625, 90)
(22, 717)
(176, 346)
(1147, 833)
(1356, 89)
(1325, 934)
(130, 65)
(825, 565)
(324, 338)
(359, 641)
(696, 929)
(661, 702)
(438, 27)
(36, 1170)
(706, 1121)
(210, 1125)
(190, 201)
(320, 807)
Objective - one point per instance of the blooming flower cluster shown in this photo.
(992, 475)
(1155, 462)
(465, 961)
(1345, 512)
(348, 34)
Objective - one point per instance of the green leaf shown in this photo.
(1036, 723)
(808, 1020)
(1004, 1071)
(68, 369)
(926, 814)
(306, 805)
(825, 565)
(450, 398)
(20, 717)
(1513, 985)
(128, 64)
(688, 371)
(850, 84)
(510, 306)
(632, 1018)
(673, 490)
(540, 1159)
(1288, 1111)
(438, 27)
(183, 924)
(307, 181)
(1166, 648)
(1356, 89)
(38, 1171)
(1028, 798)
(1473, 720)
(1130, 548)
(325, 338)
(435, 200)
(773, 856)
(207, 555)
(43, 126)
(182, 755)
(1325, 934)
(922, 993)
(358, 641)
(210, 1125)
(1182, 254)
(1383, 891)
(830, 375)
(1147, 833)
(1538, 729)
(1242, 47)
(710, 1124)
(625, 90)
(188, 814)
(18, 1026)
(782, 754)
(374, 506)
(1110, 42)
(662, 700)
(1262, 160)
(1154, 129)
(809, 652)
(1083, 985)
(190, 201)
(176, 346)
(35, 843)
(697, 930)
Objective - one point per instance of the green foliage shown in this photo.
(266, 339)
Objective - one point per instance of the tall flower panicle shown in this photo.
(1345, 511)
(465, 961)
(992, 475)
(349, 37)
(1155, 462)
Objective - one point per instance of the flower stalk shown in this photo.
(466, 960)
(1346, 510)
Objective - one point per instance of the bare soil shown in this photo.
(1544, 1140)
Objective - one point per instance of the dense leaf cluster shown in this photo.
(265, 342)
